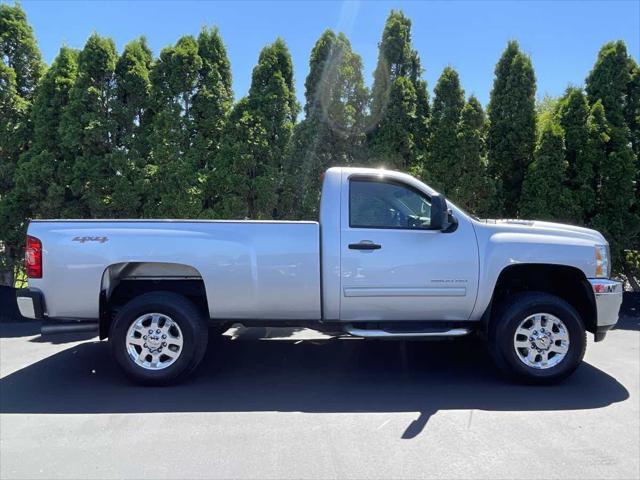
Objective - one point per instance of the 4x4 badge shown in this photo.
(90, 239)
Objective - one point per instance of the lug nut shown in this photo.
(535, 332)
(145, 345)
(164, 344)
(144, 337)
(164, 336)
(151, 331)
(158, 331)
(160, 349)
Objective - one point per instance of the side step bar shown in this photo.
(69, 327)
(371, 333)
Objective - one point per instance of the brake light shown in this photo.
(33, 257)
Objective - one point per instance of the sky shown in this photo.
(562, 37)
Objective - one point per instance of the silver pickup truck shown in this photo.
(390, 258)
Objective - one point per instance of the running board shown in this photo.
(51, 328)
(370, 333)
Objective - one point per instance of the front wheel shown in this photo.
(537, 338)
(158, 338)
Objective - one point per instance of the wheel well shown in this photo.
(568, 283)
(125, 281)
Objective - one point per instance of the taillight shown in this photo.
(33, 257)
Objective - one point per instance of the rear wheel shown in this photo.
(158, 338)
(537, 338)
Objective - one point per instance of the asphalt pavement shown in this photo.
(287, 403)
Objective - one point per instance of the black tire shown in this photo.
(183, 312)
(508, 318)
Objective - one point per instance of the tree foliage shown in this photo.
(19, 50)
(191, 89)
(572, 115)
(512, 120)
(399, 100)
(256, 140)
(608, 85)
(21, 68)
(472, 189)
(544, 195)
(333, 131)
(442, 169)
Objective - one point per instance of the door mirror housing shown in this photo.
(441, 219)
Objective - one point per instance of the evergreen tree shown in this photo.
(173, 190)
(41, 190)
(130, 111)
(13, 129)
(597, 147)
(443, 166)
(473, 189)
(211, 105)
(191, 98)
(573, 114)
(332, 133)
(609, 81)
(133, 96)
(250, 167)
(88, 130)
(20, 70)
(608, 84)
(632, 117)
(511, 136)
(19, 50)
(399, 100)
(544, 195)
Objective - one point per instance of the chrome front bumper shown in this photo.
(608, 295)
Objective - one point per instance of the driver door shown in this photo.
(393, 267)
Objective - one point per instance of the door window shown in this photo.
(375, 203)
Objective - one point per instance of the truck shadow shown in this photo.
(629, 312)
(322, 375)
(22, 328)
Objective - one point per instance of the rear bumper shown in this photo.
(608, 295)
(30, 303)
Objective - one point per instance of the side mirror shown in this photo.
(439, 213)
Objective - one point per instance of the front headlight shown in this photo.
(602, 261)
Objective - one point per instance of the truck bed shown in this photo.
(249, 268)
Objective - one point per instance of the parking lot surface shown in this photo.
(274, 403)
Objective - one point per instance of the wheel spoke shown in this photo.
(537, 322)
(523, 343)
(142, 356)
(562, 348)
(170, 353)
(532, 355)
(136, 341)
(561, 335)
(544, 357)
(523, 331)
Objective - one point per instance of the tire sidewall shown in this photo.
(181, 312)
(510, 321)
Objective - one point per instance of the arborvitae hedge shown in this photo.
(102, 134)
